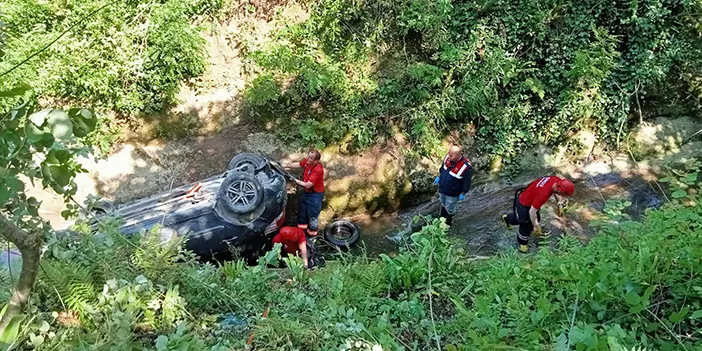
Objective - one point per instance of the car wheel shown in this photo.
(248, 163)
(342, 233)
(241, 193)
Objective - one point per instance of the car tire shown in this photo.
(342, 233)
(241, 193)
(247, 162)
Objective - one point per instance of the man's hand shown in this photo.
(461, 197)
(436, 180)
(537, 231)
(292, 165)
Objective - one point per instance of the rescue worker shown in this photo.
(294, 242)
(528, 202)
(455, 175)
(310, 203)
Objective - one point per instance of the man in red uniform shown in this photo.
(528, 202)
(294, 242)
(310, 204)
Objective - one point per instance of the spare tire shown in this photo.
(342, 233)
(247, 162)
(240, 193)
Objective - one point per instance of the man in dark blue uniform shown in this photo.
(455, 175)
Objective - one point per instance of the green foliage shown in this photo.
(635, 285)
(129, 57)
(520, 73)
(39, 145)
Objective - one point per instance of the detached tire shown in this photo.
(342, 233)
(246, 162)
(240, 193)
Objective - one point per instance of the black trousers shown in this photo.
(520, 217)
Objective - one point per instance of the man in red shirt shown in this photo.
(528, 202)
(310, 204)
(293, 241)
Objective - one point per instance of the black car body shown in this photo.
(239, 208)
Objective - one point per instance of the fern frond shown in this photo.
(73, 284)
(373, 279)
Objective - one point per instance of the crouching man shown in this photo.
(527, 205)
(294, 242)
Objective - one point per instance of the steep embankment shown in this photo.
(198, 137)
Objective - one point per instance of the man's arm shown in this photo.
(303, 253)
(305, 185)
(467, 179)
(533, 215)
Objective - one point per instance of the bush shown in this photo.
(521, 73)
(129, 57)
(636, 284)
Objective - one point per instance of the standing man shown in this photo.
(528, 202)
(455, 175)
(294, 242)
(310, 204)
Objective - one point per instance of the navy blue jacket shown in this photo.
(455, 177)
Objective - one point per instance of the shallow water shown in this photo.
(477, 223)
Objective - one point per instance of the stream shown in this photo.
(478, 220)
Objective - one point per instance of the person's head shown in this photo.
(564, 187)
(313, 157)
(455, 153)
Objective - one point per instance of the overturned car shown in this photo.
(239, 208)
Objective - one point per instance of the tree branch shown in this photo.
(29, 246)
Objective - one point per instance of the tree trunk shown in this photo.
(30, 246)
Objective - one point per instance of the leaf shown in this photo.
(16, 91)
(38, 118)
(61, 126)
(697, 314)
(632, 298)
(679, 194)
(10, 333)
(19, 111)
(84, 121)
(33, 133)
(44, 327)
(11, 138)
(561, 343)
(676, 317)
(14, 184)
(36, 340)
(141, 280)
(57, 156)
(161, 342)
(60, 174)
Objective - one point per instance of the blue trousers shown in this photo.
(309, 207)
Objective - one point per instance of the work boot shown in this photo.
(523, 248)
(504, 220)
(443, 213)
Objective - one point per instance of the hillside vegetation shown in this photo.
(635, 284)
(514, 72)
